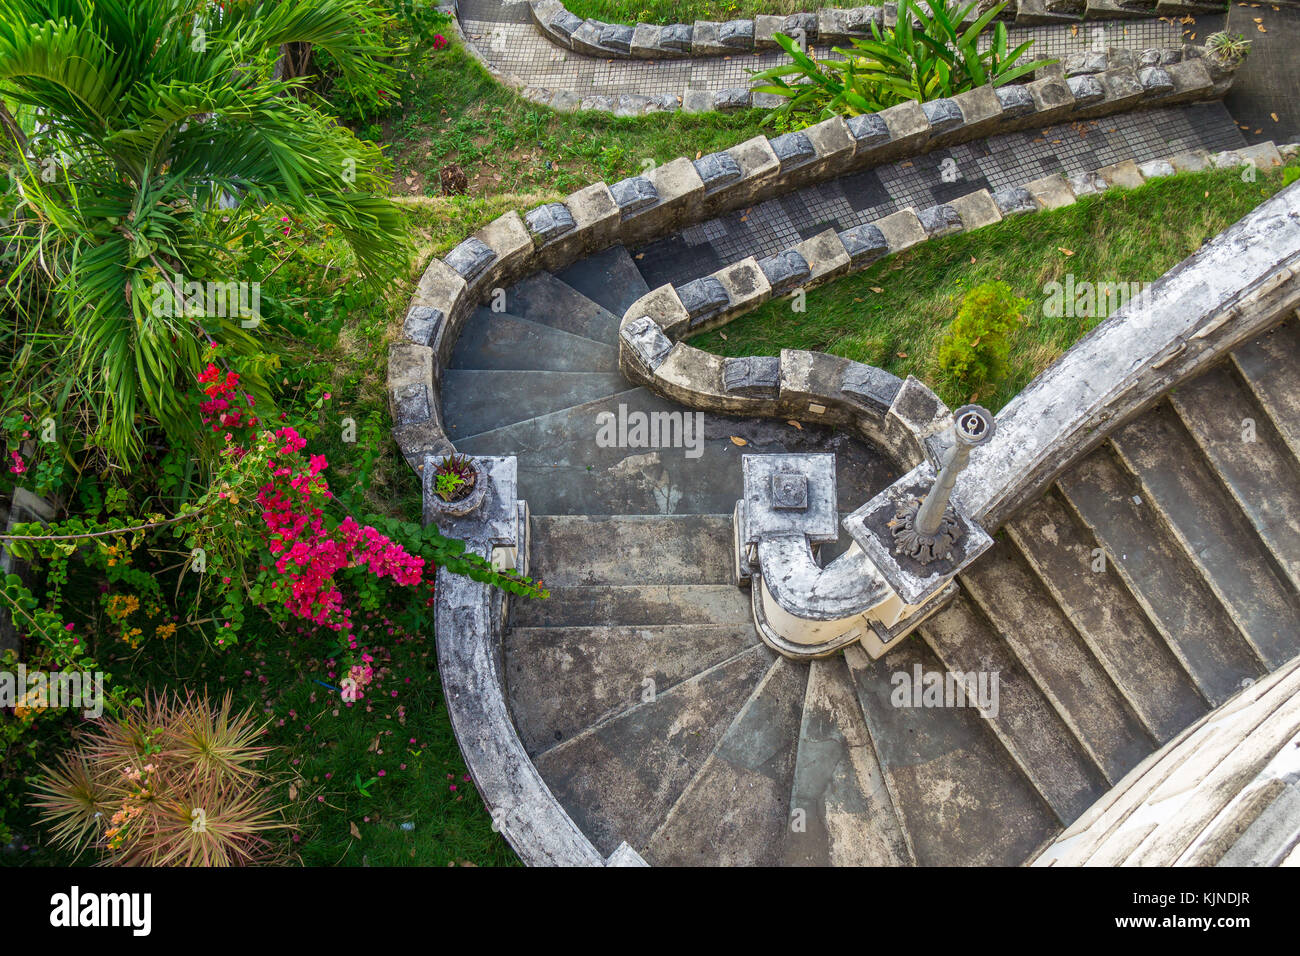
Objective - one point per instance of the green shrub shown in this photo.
(935, 58)
(975, 348)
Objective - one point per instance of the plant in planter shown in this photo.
(454, 478)
(1224, 52)
(457, 485)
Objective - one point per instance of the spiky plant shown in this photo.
(137, 124)
(175, 783)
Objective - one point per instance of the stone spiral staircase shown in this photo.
(1160, 574)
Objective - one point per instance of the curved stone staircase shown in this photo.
(1142, 590)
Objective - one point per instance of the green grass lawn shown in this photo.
(894, 314)
(688, 11)
(505, 144)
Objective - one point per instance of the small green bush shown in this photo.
(975, 348)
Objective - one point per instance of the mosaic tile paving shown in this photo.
(1011, 159)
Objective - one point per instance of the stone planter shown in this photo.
(461, 506)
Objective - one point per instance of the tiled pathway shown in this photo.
(507, 38)
(1008, 160)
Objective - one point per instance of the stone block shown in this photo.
(617, 36)
(1052, 101)
(634, 194)
(423, 325)
(871, 387)
(703, 298)
(717, 170)
(909, 129)
(940, 220)
(825, 255)
(1015, 99)
(944, 115)
(864, 244)
(757, 376)
(1051, 192)
(704, 39)
(646, 341)
(981, 110)
(732, 98)
(1191, 162)
(665, 307)
(1262, 155)
(1156, 168)
(766, 26)
(1086, 90)
(675, 38)
(470, 258)
(549, 222)
(976, 210)
(1191, 82)
(1087, 184)
(793, 150)
(1125, 174)
(869, 132)
(1155, 81)
(1014, 200)
(737, 34)
(645, 42)
(902, 230)
(785, 270)
(745, 285)
(697, 101)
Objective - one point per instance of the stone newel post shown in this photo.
(928, 530)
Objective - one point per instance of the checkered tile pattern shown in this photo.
(1012, 159)
(519, 50)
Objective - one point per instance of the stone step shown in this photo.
(569, 465)
(1042, 637)
(844, 814)
(962, 799)
(609, 277)
(1160, 575)
(545, 299)
(736, 812)
(635, 604)
(477, 400)
(1262, 475)
(1108, 618)
(619, 779)
(563, 680)
(1042, 744)
(569, 550)
(500, 341)
(1269, 367)
(1179, 484)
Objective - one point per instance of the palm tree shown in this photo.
(134, 122)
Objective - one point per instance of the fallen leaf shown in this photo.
(1274, 115)
(795, 424)
(972, 260)
(738, 441)
(352, 828)
(699, 153)
(724, 336)
(640, 255)
(902, 355)
(293, 791)
(1065, 251)
(1261, 29)
(876, 288)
